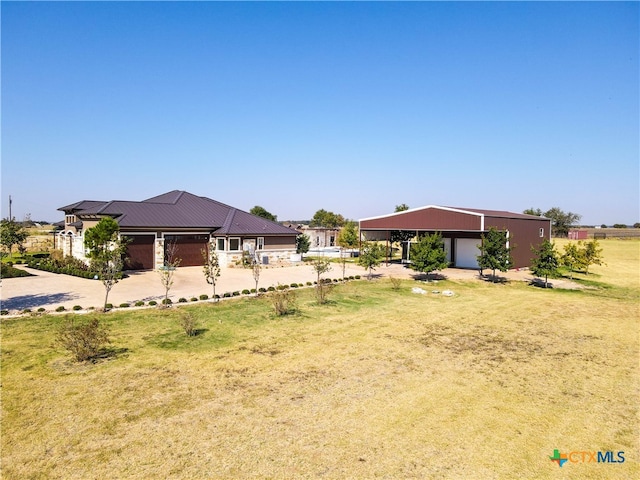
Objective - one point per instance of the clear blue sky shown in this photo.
(351, 107)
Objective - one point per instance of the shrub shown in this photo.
(41, 309)
(108, 306)
(139, 303)
(26, 310)
(282, 287)
(166, 301)
(124, 305)
(246, 291)
(4, 312)
(262, 290)
(194, 299)
(236, 293)
(84, 339)
(271, 289)
(188, 323)
(294, 285)
(283, 301)
(204, 297)
(153, 303)
(77, 307)
(182, 300)
(395, 283)
(309, 284)
(60, 309)
(226, 295)
(253, 290)
(357, 277)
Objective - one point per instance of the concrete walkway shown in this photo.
(50, 290)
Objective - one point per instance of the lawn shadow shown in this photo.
(429, 277)
(109, 353)
(540, 283)
(493, 278)
(32, 301)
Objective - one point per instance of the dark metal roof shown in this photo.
(82, 205)
(180, 209)
(500, 213)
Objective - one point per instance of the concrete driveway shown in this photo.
(50, 290)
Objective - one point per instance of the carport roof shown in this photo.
(468, 211)
(180, 209)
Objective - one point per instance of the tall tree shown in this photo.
(428, 254)
(561, 221)
(494, 252)
(371, 256)
(12, 233)
(325, 219)
(261, 212)
(533, 211)
(401, 208)
(106, 252)
(546, 261)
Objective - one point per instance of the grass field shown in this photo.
(378, 383)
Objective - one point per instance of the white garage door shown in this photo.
(466, 252)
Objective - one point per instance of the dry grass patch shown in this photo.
(378, 383)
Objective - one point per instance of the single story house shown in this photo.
(461, 229)
(191, 222)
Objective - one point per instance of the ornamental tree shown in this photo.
(428, 254)
(211, 268)
(371, 255)
(347, 238)
(545, 263)
(494, 252)
(106, 253)
(11, 233)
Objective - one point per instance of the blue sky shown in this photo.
(351, 107)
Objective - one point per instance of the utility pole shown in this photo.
(10, 217)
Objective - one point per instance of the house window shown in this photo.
(220, 244)
(71, 219)
(332, 241)
(234, 244)
(541, 232)
(260, 243)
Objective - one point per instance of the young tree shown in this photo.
(256, 268)
(321, 266)
(302, 243)
(168, 269)
(11, 233)
(592, 255)
(347, 238)
(261, 212)
(106, 252)
(371, 255)
(494, 252)
(428, 254)
(211, 268)
(546, 261)
(573, 257)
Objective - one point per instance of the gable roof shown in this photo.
(180, 209)
(468, 211)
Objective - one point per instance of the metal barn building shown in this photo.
(461, 229)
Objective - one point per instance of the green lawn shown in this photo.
(378, 383)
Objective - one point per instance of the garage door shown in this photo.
(188, 248)
(466, 252)
(140, 252)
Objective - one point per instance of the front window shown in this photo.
(541, 232)
(220, 244)
(234, 244)
(260, 243)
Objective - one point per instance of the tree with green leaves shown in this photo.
(573, 257)
(12, 233)
(211, 268)
(545, 262)
(325, 219)
(592, 255)
(106, 252)
(401, 208)
(561, 221)
(371, 256)
(494, 252)
(533, 211)
(428, 254)
(263, 213)
(302, 243)
(348, 238)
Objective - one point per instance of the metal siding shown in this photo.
(524, 233)
(434, 219)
